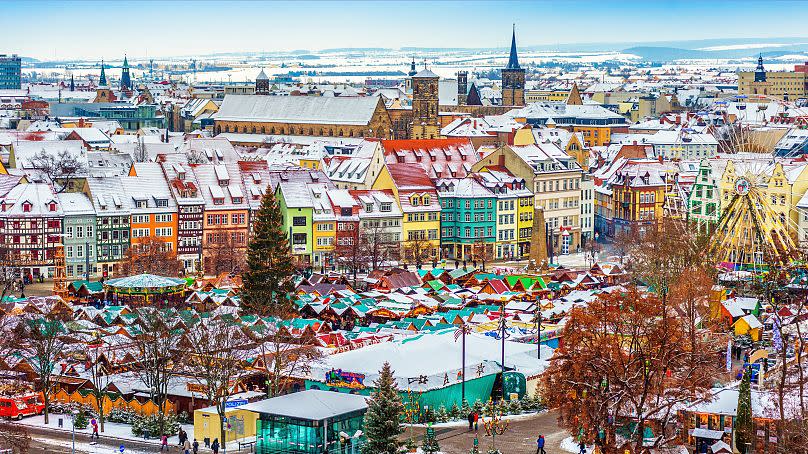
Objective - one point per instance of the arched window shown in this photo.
(227, 128)
(254, 130)
(263, 130)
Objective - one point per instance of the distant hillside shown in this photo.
(665, 54)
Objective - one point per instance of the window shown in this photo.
(79, 231)
(163, 231)
(69, 252)
(298, 238)
(136, 233)
(237, 218)
(161, 202)
(414, 201)
(386, 207)
(69, 232)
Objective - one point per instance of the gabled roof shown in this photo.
(298, 109)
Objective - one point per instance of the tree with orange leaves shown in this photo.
(623, 358)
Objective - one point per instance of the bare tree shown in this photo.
(217, 355)
(350, 254)
(481, 252)
(139, 154)
(417, 249)
(156, 344)
(284, 357)
(99, 377)
(61, 168)
(151, 255)
(42, 341)
(226, 256)
(376, 244)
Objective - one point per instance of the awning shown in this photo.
(707, 433)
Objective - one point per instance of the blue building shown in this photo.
(10, 72)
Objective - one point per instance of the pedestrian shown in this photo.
(540, 445)
(471, 421)
(163, 443)
(94, 423)
(215, 446)
(186, 446)
(476, 419)
(182, 437)
(582, 447)
(196, 446)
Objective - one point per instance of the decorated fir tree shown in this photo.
(268, 279)
(383, 417)
(430, 444)
(744, 429)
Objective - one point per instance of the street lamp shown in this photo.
(538, 320)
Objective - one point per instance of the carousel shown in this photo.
(145, 289)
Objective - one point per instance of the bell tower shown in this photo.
(513, 78)
(425, 121)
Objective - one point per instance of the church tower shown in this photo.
(103, 92)
(126, 81)
(513, 79)
(462, 87)
(425, 121)
(760, 73)
(262, 83)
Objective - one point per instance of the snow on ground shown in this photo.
(85, 447)
(570, 445)
(465, 422)
(111, 429)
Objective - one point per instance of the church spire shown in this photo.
(513, 60)
(413, 71)
(760, 73)
(126, 80)
(102, 81)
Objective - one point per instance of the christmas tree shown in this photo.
(744, 430)
(383, 417)
(267, 281)
(430, 445)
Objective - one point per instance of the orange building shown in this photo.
(154, 210)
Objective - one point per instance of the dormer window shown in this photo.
(26, 207)
(425, 200)
(52, 206)
(141, 204)
(414, 200)
(386, 207)
(369, 207)
(162, 203)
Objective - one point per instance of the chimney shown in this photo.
(502, 160)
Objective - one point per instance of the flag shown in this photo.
(729, 355)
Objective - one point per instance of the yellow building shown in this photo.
(323, 226)
(240, 424)
(546, 95)
(777, 84)
(420, 207)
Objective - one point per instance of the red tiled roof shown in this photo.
(410, 176)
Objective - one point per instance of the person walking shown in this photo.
(215, 446)
(476, 419)
(94, 423)
(471, 421)
(195, 446)
(582, 447)
(186, 446)
(540, 445)
(164, 443)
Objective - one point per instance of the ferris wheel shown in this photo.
(750, 232)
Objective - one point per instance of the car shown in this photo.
(18, 406)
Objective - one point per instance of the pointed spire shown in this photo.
(72, 83)
(513, 60)
(102, 81)
(125, 61)
(413, 71)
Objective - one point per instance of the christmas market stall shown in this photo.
(145, 290)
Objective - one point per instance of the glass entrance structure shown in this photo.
(309, 422)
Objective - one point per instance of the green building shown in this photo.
(704, 202)
(309, 422)
(79, 237)
(294, 201)
(113, 210)
(468, 219)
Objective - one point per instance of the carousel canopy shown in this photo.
(146, 284)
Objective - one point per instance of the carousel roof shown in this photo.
(145, 281)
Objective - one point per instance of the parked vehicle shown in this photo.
(15, 407)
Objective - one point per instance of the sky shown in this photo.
(151, 28)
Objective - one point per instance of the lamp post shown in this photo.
(538, 328)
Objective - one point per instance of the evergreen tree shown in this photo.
(383, 417)
(430, 444)
(744, 429)
(268, 279)
(455, 412)
(442, 415)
